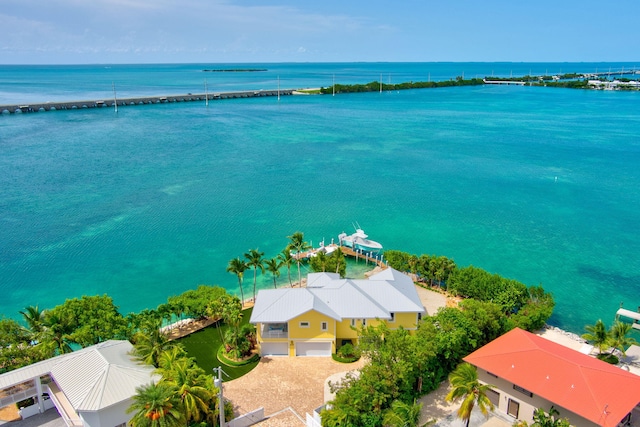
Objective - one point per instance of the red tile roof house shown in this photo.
(531, 372)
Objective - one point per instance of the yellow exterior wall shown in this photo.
(406, 320)
(344, 331)
(313, 332)
(315, 319)
(336, 331)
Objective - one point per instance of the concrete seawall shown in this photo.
(110, 103)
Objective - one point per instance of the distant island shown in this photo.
(236, 70)
(598, 81)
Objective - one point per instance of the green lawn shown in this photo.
(203, 346)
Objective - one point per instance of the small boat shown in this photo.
(359, 240)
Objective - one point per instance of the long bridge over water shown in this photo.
(113, 103)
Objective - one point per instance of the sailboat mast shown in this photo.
(278, 87)
(115, 98)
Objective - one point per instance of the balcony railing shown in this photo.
(63, 406)
(274, 330)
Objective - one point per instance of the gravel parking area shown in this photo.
(278, 383)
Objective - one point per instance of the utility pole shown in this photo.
(218, 383)
(115, 98)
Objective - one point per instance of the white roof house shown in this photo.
(90, 387)
(382, 294)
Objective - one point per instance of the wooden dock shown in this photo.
(378, 260)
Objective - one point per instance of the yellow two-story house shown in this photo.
(318, 319)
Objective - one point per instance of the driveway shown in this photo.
(289, 384)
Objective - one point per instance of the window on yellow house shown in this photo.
(324, 326)
(304, 324)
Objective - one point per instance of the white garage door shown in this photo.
(274, 349)
(313, 348)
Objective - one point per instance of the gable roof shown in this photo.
(595, 390)
(340, 298)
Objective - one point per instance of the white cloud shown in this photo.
(229, 29)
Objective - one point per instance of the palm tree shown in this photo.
(598, 335)
(273, 266)
(619, 338)
(542, 419)
(232, 314)
(156, 405)
(298, 245)
(254, 259)
(465, 385)
(55, 332)
(320, 261)
(169, 358)
(286, 259)
(150, 344)
(238, 267)
(402, 414)
(189, 383)
(35, 318)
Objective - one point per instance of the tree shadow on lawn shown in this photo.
(203, 346)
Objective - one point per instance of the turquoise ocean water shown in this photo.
(540, 185)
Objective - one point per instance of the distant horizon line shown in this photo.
(311, 62)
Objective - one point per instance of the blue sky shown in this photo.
(210, 31)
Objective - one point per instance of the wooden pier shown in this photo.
(146, 100)
(378, 260)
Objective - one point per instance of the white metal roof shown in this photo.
(384, 293)
(349, 301)
(26, 373)
(96, 379)
(92, 378)
(282, 305)
(320, 279)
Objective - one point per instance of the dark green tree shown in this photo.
(238, 267)
(157, 405)
(298, 245)
(598, 335)
(273, 266)
(255, 261)
(287, 260)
